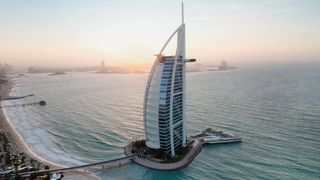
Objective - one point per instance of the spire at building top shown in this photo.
(182, 13)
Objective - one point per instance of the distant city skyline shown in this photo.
(84, 33)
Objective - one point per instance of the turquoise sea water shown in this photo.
(91, 117)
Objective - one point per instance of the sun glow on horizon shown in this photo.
(126, 33)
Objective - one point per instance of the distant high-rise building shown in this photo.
(1, 69)
(102, 63)
(224, 65)
(31, 70)
(165, 97)
(4, 68)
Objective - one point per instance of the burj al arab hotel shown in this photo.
(164, 110)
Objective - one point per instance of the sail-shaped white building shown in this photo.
(164, 111)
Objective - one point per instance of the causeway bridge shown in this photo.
(102, 163)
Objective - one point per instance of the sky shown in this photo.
(128, 33)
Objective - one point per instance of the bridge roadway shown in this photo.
(78, 167)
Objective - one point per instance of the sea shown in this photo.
(90, 117)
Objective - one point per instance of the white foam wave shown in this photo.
(36, 139)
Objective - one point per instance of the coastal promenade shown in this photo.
(184, 162)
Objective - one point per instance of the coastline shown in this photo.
(16, 139)
(19, 145)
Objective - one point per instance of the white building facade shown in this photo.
(164, 111)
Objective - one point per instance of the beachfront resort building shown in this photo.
(165, 96)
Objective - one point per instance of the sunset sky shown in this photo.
(84, 32)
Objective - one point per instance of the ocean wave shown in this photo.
(34, 137)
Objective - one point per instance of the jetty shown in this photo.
(15, 97)
(40, 103)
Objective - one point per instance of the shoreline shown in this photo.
(17, 141)
(21, 147)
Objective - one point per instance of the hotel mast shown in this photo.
(164, 110)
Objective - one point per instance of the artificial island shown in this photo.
(165, 145)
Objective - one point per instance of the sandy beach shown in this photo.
(16, 139)
(19, 145)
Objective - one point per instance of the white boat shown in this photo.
(211, 136)
(219, 140)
